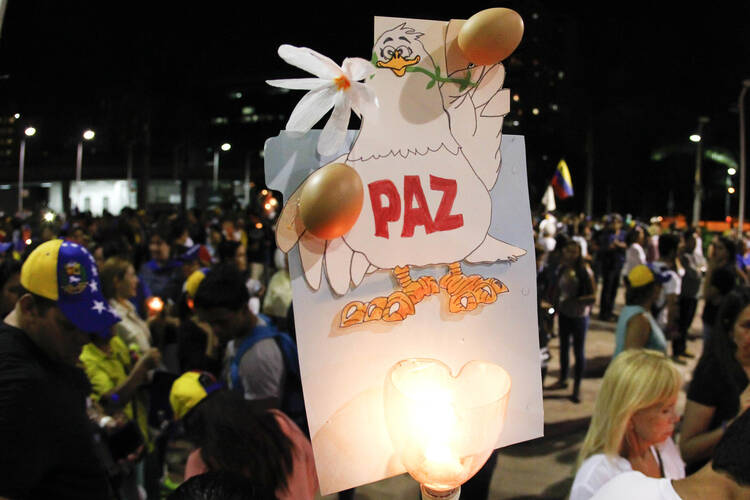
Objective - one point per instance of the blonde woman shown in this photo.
(632, 424)
(119, 285)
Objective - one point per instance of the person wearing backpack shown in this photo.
(259, 361)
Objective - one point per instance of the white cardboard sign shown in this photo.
(446, 211)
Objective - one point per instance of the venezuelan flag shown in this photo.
(561, 182)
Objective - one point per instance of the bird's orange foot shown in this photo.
(467, 292)
(356, 312)
(465, 301)
(487, 290)
(424, 286)
(416, 290)
(396, 307)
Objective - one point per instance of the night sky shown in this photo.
(645, 71)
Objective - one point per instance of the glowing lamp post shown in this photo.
(224, 147)
(29, 132)
(697, 183)
(87, 136)
(444, 428)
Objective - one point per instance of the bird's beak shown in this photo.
(398, 64)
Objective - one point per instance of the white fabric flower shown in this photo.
(336, 87)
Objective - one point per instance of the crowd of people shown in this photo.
(145, 328)
(153, 327)
(664, 271)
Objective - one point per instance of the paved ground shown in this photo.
(542, 468)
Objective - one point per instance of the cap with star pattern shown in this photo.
(66, 272)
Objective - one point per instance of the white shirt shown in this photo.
(598, 469)
(548, 242)
(132, 329)
(261, 369)
(634, 484)
(583, 244)
(634, 256)
(673, 286)
(548, 225)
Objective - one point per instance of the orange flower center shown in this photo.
(342, 83)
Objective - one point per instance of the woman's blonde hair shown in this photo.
(634, 380)
(114, 267)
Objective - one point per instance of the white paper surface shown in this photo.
(344, 368)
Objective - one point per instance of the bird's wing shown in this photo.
(476, 112)
(493, 250)
(360, 265)
(289, 228)
(338, 257)
(311, 250)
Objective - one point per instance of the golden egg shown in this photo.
(331, 200)
(491, 35)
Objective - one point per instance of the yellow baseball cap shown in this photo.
(189, 389)
(194, 281)
(66, 272)
(642, 275)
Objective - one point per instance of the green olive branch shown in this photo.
(434, 77)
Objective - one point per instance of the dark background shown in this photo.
(614, 83)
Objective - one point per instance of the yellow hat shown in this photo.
(66, 272)
(642, 275)
(189, 390)
(193, 281)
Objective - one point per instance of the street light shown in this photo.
(224, 147)
(741, 108)
(697, 189)
(30, 131)
(87, 135)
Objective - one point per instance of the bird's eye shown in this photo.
(405, 51)
(387, 52)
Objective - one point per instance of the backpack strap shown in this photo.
(292, 401)
(258, 333)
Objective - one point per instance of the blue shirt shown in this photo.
(164, 281)
(656, 339)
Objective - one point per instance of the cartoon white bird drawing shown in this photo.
(428, 157)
